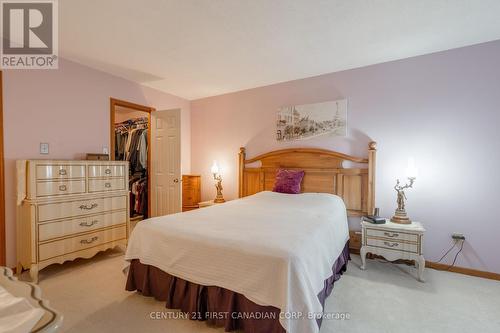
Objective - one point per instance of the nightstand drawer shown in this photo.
(392, 245)
(392, 235)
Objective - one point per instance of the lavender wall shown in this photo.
(68, 108)
(442, 109)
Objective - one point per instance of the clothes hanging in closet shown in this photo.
(131, 138)
(138, 196)
(131, 143)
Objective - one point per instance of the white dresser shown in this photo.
(68, 210)
(394, 241)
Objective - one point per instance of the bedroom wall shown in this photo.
(442, 109)
(69, 109)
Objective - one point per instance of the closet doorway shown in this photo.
(130, 137)
(150, 141)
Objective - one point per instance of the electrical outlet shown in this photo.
(457, 236)
(44, 148)
(105, 150)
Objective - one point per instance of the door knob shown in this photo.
(176, 180)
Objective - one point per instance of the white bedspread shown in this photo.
(276, 249)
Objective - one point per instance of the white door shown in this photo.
(166, 162)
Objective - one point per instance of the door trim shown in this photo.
(3, 244)
(113, 103)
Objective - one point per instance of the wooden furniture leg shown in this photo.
(421, 267)
(362, 253)
(34, 273)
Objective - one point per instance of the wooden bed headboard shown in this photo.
(324, 173)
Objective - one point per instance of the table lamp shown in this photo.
(218, 183)
(400, 215)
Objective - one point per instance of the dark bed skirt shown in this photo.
(218, 306)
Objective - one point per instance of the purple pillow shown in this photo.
(288, 181)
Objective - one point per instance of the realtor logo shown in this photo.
(29, 34)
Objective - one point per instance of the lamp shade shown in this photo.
(411, 170)
(215, 168)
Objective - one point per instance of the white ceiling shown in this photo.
(200, 48)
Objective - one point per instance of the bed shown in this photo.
(265, 262)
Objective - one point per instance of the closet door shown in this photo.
(166, 162)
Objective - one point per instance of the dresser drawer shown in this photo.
(51, 230)
(68, 209)
(96, 171)
(188, 187)
(189, 199)
(392, 245)
(63, 187)
(59, 171)
(190, 191)
(102, 185)
(58, 248)
(392, 235)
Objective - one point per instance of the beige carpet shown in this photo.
(384, 298)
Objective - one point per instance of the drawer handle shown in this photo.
(107, 171)
(62, 188)
(89, 241)
(86, 224)
(391, 244)
(87, 207)
(107, 185)
(388, 234)
(63, 172)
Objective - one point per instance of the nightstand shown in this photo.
(393, 241)
(208, 203)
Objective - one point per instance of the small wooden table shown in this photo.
(394, 241)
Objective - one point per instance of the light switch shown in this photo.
(44, 148)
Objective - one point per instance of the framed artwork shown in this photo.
(310, 120)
